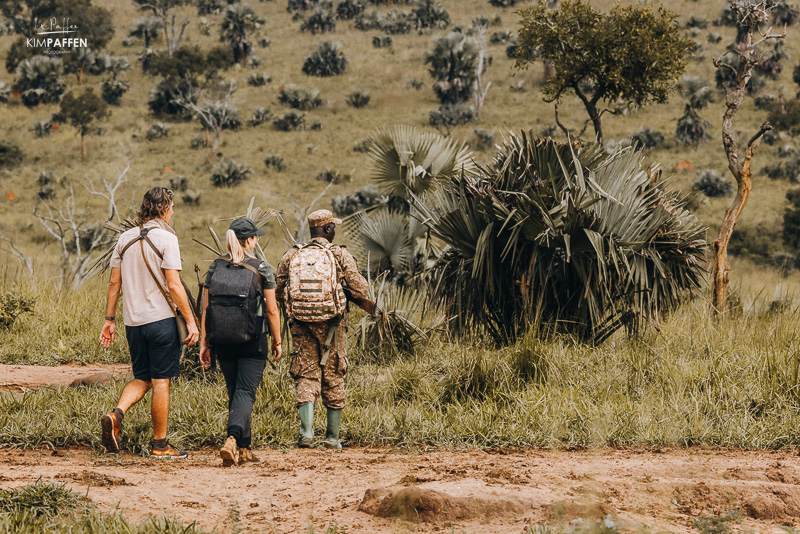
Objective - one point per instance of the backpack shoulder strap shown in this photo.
(142, 236)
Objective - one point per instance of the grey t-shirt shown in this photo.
(142, 301)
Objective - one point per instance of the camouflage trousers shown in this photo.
(310, 379)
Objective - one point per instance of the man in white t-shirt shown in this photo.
(146, 266)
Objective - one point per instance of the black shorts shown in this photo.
(155, 349)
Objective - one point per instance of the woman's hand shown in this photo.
(205, 355)
(276, 350)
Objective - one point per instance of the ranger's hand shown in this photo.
(194, 334)
(205, 355)
(276, 350)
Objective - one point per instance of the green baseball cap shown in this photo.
(244, 227)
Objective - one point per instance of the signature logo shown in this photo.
(59, 30)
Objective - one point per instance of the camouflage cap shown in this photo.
(321, 218)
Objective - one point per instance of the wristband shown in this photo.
(110, 318)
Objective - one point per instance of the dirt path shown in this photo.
(493, 491)
(21, 378)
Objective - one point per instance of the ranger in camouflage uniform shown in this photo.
(312, 379)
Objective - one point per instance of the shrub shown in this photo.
(315, 125)
(770, 64)
(47, 185)
(228, 173)
(158, 130)
(647, 138)
(430, 14)
(179, 183)
(501, 37)
(299, 98)
(349, 9)
(712, 184)
(765, 102)
(448, 116)
(327, 60)
(5, 93)
(757, 242)
(12, 305)
(259, 79)
(415, 84)
(362, 145)
(382, 41)
(452, 63)
(358, 98)
(259, 117)
(369, 20)
(321, 20)
(691, 128)
(696, 21)
(791, 220)
(396, 22)
(290, 121)
(162, 99)
(503, 3)
(41, 499)
(783, 13)
(367, 196)
(786, 151)
(787, 169)
(714, 38)
(332, 177)
(40, 79)
(274, 161)
(42, 128)
(482, 139)
(10, 154)
(191, 197)
(786, 117)
(113, 89)
(197, 142)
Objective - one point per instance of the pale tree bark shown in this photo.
(478, 89)
(751, 16)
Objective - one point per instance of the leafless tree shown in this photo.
(301, 215)
(478, 89)
(77, 237)
(214, 112)
(751, 14)
(9, 247)
(161, 8)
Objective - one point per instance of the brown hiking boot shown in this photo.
(246, 455)
(111, 429)
(229, 452)
(168, 452)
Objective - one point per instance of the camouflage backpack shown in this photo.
(315, 294)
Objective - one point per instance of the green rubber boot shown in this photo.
(332, 431)
(306, 425)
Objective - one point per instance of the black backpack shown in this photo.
(234, 299)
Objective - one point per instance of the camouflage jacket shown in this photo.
(347, 271)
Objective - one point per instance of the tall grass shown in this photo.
(696, 382)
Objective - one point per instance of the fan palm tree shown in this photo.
(574, 237)
(240, 19)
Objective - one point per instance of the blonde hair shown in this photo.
(235, 247)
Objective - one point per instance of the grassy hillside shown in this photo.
(385, 73)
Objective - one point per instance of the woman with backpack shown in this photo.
(239, 298)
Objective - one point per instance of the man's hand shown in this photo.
(276, 350)
(108, 333)
(194, 334)
(205, 355)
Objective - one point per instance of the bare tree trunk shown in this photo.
(213, 147)
(83, 147)
(750, 16)
(79, 75)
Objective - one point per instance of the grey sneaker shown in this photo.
(304, 442)
(168, 452)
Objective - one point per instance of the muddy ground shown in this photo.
(392, 490)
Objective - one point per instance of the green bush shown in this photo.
(13, 305)
(40, 79)
(503, 3)
(163, 98)
(647, 138)
(48, 181)
(430, 14)
(191, 197)
(349, 9)
(5, 93)
(452, 63)
(228, 173)
(358, 99)
(327, 60)
(274, 161)
(158, 130)
(259, 79)
(290, 121)
(10, 154)
(321, 20)
(299, 98)
(382, 41)
(260, 116)
(712, 184)
(332, 177)
(785, 117)
(482, 139)
(179, 183)
(791, 220)
(448, 116)
(366, 197)
(113, 89)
